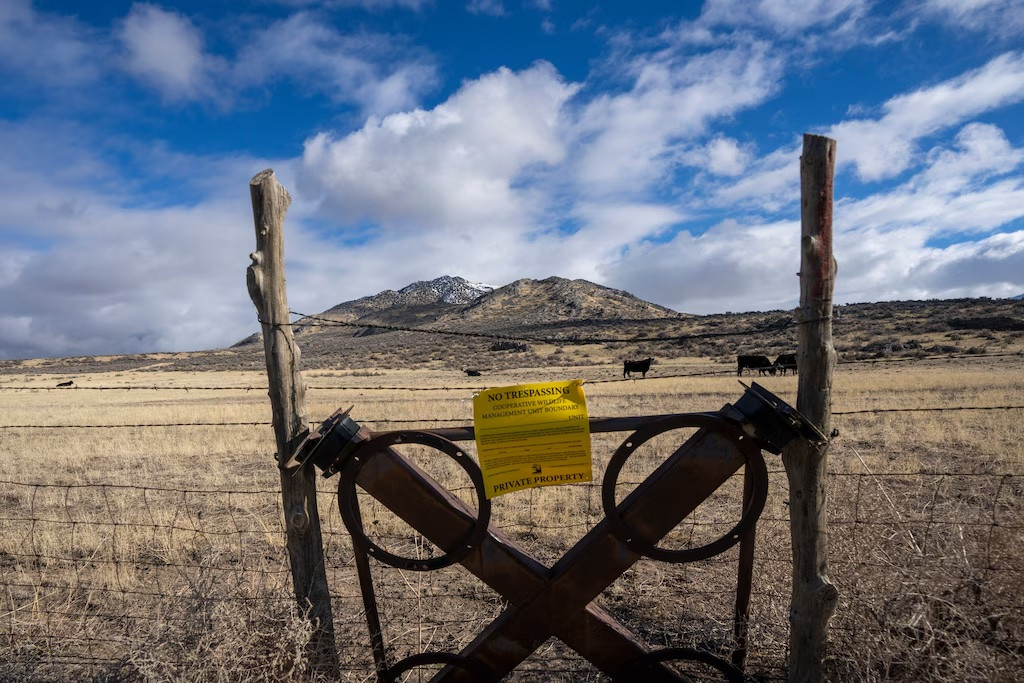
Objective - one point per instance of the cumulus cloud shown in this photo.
(733, 266)
(944, 232)
(726, 157)
(454, 166)
(165, 50)
(989, 267)
(88, 268)
(884, 147)
(958, 192)
(895, 244)
(982, 152)
(128, 281)
(888, 146)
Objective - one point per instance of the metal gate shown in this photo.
(556, 601)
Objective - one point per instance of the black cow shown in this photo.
(69, 383)
(641, 366)
(473, 373)
(759, 363)
(786, 361)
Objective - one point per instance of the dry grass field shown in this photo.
(141, 535)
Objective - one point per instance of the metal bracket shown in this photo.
(329, 446)
(772, 421)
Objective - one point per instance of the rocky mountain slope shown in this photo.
(556, 299)
(439, 293)
(453, 302)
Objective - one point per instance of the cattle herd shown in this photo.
(763, 365)
(783, 364)
(786, 362)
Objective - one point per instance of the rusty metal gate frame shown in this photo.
(556, 601)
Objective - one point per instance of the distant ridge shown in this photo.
(455, 303)
(523, 302)
(571, 323)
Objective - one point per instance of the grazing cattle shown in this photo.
(786, 361)
(473, 373)
(69, 383)
(641, 366)
(759, 363)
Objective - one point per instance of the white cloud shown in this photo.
(130, 280)
(726, 157)
(733, 266)
(39, 49)
(983, 152)
(372, 5)
(990, 267)
(165, 50)
(453, 166)
(494, 8)
(374, 71)
(89, 266)
(884, 147)
(904, 242)
(770, 182)
(896, 244)
(1003, 18)
(889, 145)
(629, 139)
(955, 193)
(784, 16)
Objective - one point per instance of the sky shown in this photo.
(646, 146)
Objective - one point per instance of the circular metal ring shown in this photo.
(347, 501)
(477, 670)
(752, 458)
(639, 666)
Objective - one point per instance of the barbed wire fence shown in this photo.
(161, 580)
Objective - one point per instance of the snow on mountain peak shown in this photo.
(451, 290)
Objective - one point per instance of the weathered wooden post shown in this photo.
(266, 282)
(814, 597)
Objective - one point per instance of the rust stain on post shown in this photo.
(814, 597)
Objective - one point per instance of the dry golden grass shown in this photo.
(155, 552)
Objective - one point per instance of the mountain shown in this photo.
(556, 299)
(455, 302)
(552, 308)
(424, 297)
(443, 290)
(450, 290)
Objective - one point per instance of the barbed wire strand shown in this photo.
(434, 420)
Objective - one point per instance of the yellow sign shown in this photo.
(532, 435)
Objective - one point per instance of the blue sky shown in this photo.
(638, 145)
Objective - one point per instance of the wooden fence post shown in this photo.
(814, 598)
(266, 283)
